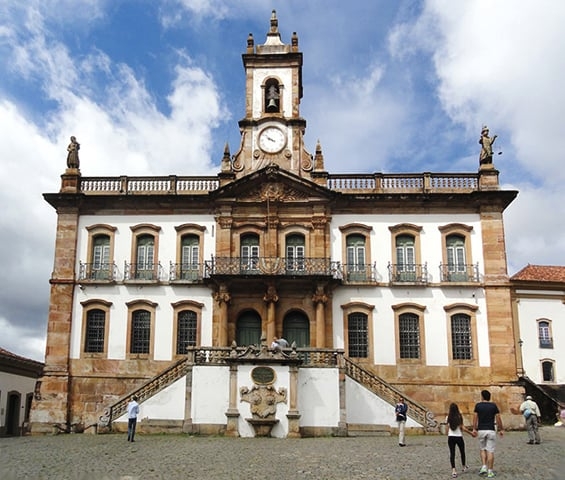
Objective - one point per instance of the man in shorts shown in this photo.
(486, 416)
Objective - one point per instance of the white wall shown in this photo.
(14, 383)
(549, 306)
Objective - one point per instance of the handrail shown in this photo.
(148, 389)
(389, 393)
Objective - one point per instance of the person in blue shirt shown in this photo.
(401, 410)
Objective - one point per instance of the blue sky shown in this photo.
(157, 88)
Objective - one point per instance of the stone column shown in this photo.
(271, 298)
(53, 403)
(293, 415)
(232, 429)
(222, 297)
(319, 299)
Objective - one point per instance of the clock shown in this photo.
(272, 139)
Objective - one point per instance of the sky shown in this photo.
(157, 88)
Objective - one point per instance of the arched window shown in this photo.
(190, 257)
(145, 268)
(409, 335)
(296, 329)
(100, 262)
(358, 335)
(186, 331)
(248, 329)
(295, 252)
(140, 340)
(456, 264)
(101, 258)
(544, 334)
(356, 261)
(461, 338)
(249, 252)
(95, 330)
(405, 259)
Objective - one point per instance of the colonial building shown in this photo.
(397, 282)
(539, 308)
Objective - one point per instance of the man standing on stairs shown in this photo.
(401, 410)
(133, 412)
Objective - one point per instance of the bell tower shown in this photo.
(272, 130)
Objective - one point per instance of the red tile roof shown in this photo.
(541, 273)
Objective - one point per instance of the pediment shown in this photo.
(275, 185)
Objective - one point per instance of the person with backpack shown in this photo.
(532, 414)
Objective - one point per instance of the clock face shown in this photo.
(272, 140)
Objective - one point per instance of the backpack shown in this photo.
(527, 413)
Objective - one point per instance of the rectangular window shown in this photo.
(186, 331)
(95, 329)
(140, 332)
(409, 335)
(461, 337)
(358, 335)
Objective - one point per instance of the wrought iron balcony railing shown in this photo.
(359, 273)
(185, 272)
(97, 272)
(271, 266)
(459, 273)
(408, 273)
(143, 272)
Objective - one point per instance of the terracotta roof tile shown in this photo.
(541, 273)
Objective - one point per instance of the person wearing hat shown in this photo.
(532, 414)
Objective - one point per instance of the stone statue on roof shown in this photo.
(486, 142)
(72, 155)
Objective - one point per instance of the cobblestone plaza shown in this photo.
(171, 457)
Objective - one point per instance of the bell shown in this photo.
(272, 105)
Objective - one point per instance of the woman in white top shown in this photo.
(455, 437)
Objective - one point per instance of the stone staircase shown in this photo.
(309, 357)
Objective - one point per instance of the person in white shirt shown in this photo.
(454, 421)
(532, 414)
(133, 412)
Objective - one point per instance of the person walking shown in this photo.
(133, 412)
(455, 438)
(401, 411)
(532, 414)
(486, 415)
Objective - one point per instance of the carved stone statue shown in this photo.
(486, 146)
(72, 155)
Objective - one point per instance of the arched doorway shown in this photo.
(296, 328)
(248, 329)
(13, 413)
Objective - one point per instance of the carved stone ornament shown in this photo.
(263, 399)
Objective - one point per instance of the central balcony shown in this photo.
(253, 266)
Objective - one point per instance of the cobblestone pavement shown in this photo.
(170, 457)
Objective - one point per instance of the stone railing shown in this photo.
(171, 185)
(347, 183)
(405, 183)
(390, 394)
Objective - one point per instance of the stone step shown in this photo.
(368, 430)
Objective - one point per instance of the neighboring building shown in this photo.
(18, 377)
(400, 280)
(539, 308)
